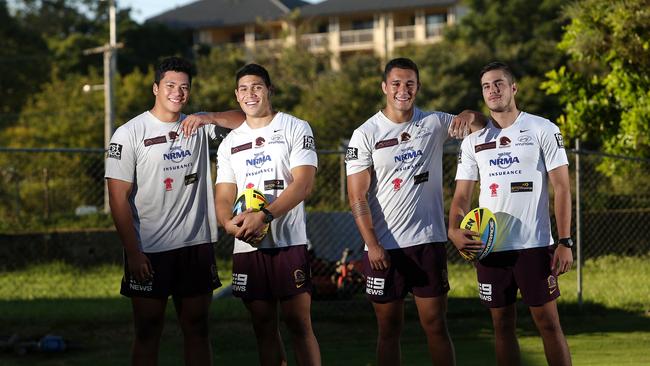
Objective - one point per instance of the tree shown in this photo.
(338, 102)
(24, 65)
(520, 33)
(605, 86)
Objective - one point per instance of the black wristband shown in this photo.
(567, 242)
(269, 216)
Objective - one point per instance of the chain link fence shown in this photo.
(46, 190)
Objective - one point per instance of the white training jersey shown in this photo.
(512, 165)
(262, 158)
(405, 195)
(172, 199)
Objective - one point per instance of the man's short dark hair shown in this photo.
(177, 64)
(256, 70)
(402, 63)
(498, 65)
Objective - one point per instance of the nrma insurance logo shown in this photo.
(504, 160)
(176, 154)
(407, 155)
(258, 160)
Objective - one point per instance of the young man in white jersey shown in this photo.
(162, 204)
(514, 157)
(394, 168)
(275, 153)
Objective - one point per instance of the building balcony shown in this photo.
(315, 42)
(356, 39)
(404, 33)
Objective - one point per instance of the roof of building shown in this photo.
(338, 7)
(208, 13)
(221, 13)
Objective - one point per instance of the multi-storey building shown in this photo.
(341, 27)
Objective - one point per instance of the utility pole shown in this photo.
(110, 68)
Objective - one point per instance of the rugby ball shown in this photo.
(254, 199)
(483, 221)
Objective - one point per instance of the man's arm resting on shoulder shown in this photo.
(296, 192)
(224, 199)
(460, 206)
(466, 122)
(559, 178)
(118, 193)
(358, 186)
(228, 119)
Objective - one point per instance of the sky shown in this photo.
(144, 9)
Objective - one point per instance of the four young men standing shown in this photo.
(159, 184)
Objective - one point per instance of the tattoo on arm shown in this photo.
(360, 209)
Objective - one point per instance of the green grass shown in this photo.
(611, 328)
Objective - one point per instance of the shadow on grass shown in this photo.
(100, 331)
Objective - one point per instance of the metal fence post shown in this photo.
(578, 226)
(342, 179)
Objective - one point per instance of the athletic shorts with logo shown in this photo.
(420, 269)
(271, 274)
(501, 274)
(183, 272)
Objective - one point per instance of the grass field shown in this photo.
(612, 327)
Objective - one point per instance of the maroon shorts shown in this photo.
(271, 274)
(501, 274)
(183, 272)
(420, 269)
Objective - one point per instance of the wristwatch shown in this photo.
(567, 242)
(269, 216)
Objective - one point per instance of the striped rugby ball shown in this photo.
(254, 199)
(483, 221)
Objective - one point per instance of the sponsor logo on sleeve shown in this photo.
(308, 143)
(485, 146)
(516, 187)
(351, 153)
(236, 149)
(155, 140)
(386, 143)
(115, 151)
(560, 140)
(192, 178)
(273, 184)
(421, 178)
